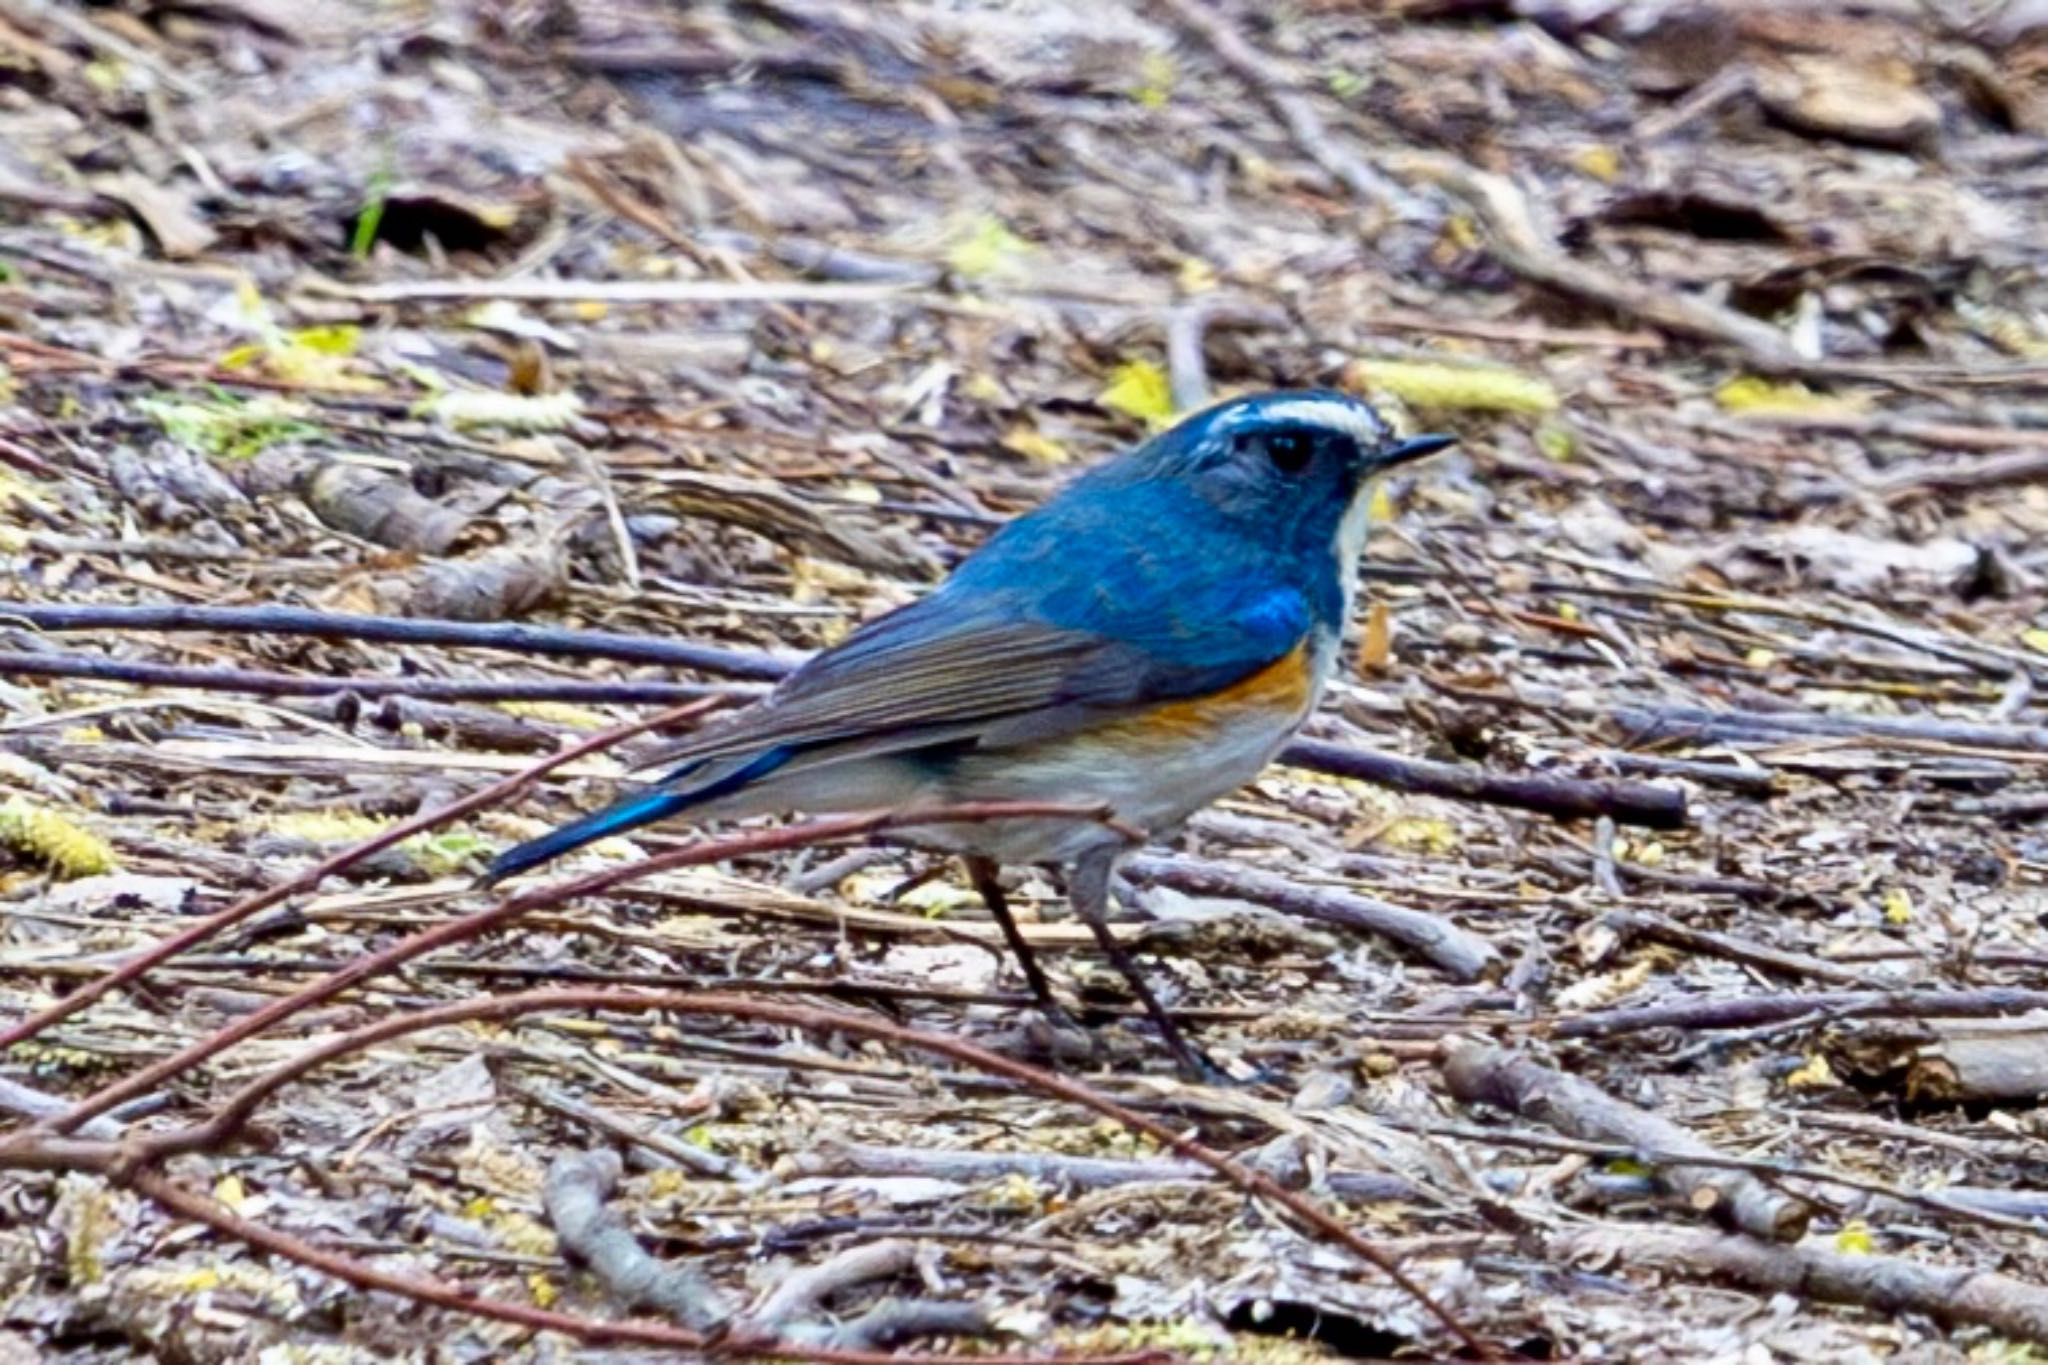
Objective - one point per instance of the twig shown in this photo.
(1702, 884)
(1187, 331)
(1564, 798)
(254, 682)
(801, 1293)
(1970, 654)
(1058, 1168)
(1729, 83)
(1975, 1206)
(1885, 426)
(313, 876)
(1750, 781)
(1739, 1012)
(1888, 1285)
(1604, 875)
(1508, 1080)
(574, 1195)
(1697, 723)
(897, 1320)
(1345, 165)
(511, 636)
(1462, 955)
(593, 470)
(1663, 929)
(689, 1157)
(772, 511)
(1516, 240)
(667, 292)
(887, 1322)
(29, 1103)
(1908, 481)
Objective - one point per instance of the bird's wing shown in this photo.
(934, 672)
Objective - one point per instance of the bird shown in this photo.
(1143, 642)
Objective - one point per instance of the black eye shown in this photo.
(1290, 451)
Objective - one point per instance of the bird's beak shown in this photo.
(1414, 448)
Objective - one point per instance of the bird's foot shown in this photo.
(1198, 1066)
(1057, 1034)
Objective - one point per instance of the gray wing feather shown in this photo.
(905, 689)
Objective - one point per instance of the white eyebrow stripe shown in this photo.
(1354, 419)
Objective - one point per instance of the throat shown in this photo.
(1351, 544)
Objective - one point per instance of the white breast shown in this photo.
(1351, 543)
(1152, 782)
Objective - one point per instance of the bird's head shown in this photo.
(1290, 464)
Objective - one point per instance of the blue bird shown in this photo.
(1146, 640)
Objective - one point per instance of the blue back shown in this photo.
(1193, 548)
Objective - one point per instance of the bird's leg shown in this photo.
(1088, 890)
(982, 872)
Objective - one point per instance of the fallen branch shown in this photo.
(1479, 1074)
(251, 682)
(1564, 798)
(1697, 724)
(833, 1158)
(1728, 947)
(651, 292)
(514, 637)
(1954, 1061)
(2019, 806)
(574, 1195)
(1187, 334)
(1888, 1285)
(1738, 1012)
(1516, 239)
(1910, 481)
(804, 1293)
(1462, 955)
(1992, 1208)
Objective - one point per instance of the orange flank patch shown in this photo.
(1282, 688)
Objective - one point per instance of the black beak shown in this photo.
(1414, 448)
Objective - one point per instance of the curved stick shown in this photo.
(469, 926)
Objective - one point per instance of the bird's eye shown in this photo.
(1290, 451)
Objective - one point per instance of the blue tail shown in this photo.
(644, 808)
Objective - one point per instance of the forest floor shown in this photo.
(728, 326)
